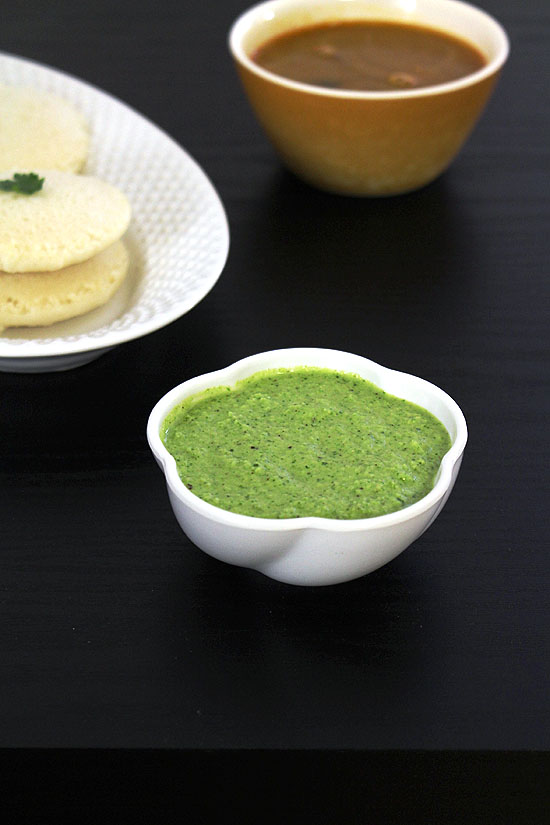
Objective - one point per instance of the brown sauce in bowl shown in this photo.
(373, 56)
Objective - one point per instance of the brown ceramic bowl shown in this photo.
(367, 143)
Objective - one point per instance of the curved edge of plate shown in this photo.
(51, 363)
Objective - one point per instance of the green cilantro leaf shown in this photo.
(24, 184)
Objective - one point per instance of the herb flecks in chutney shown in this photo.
(305, 441)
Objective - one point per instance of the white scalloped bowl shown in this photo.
(312, 550)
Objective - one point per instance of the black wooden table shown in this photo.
(125, 651)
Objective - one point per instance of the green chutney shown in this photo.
(305, 441)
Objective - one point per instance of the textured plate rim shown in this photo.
(29, 348)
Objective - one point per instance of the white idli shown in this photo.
(33, 299)
(40, 129)
(72, 218)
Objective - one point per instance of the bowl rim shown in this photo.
(227, 377)
(245, 21)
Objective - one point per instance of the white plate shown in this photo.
(178, 237)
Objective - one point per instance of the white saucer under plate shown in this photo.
(178, 237)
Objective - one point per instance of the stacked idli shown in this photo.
(61, 253)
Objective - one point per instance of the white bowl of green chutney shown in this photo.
(312, 466)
